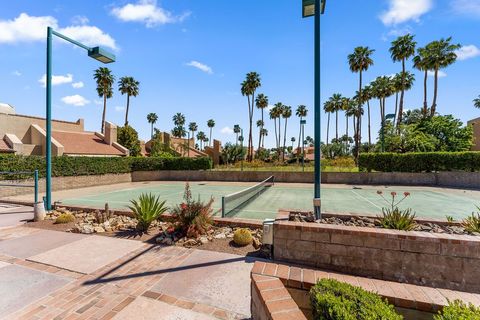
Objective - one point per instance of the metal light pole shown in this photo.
(316, 8)
(96, 53)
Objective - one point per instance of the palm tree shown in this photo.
(260, 125)
(104, 78)
(382, 88)
(286, 114)
(264, 133)
(402, 49)
(210, 124)
(261, 103)
(476, 102)
(421, 62)
(201, 137)
(292, 139)
(337, 102)
(152, 119)
(193, 127)
(249, 86)
(366, 97)
(402, 83)
(350, 111)
(359, 61)
(129, 86)
(236, 130)
(301, 112)
(178, 119)
(276, 113)
(328, 108)
(441, 54)
(347, 107)
(179, 132)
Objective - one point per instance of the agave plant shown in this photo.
(147, 209)
(472, 223)
(395, 218)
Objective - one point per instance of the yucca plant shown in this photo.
(472, 223)
(147, 209)
(393, 217)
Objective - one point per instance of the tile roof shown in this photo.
(84, 143)
(4, 147)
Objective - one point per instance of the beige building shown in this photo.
(476, 133)
(25, 135)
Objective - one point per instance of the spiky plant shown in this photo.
(147, 209)
(472, 223)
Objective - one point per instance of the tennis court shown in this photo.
(425, 201)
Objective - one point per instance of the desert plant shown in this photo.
(147, 209)
(193, 217)
(450, 218)
(242, 237)
(457, 310)
(104, 216)
(472, 223)
(395, 218)
(332, 299)
(65, 218)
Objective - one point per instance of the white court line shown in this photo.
(112, 201)
(363, 198)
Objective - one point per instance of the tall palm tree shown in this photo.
(441, 54)
(128, 86)
(210, 125)
(359, 61)
(276, 113)
(402, 83)
(350, 112)
(193, 127)
(178, 119)
(337, 103)
(366, 97)
(421, 62)
(105, 79)
(236, 130)
(301, 112)
(476, 102)
(249, 87)
(382, 88)
(152, 119)
(328, 108)
(179, 132)
(201, 138)
(286, 114)
(401, 50)
(261, 102)
(264, 133)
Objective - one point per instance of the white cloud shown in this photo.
(469, 7)
(81, 20)
(25, 28)
(16, 73)
(75, 100)
(56, 80)
(147, 12)
(227, 130)
(78, 85)
(119, 109)
(200, 66)
(404, 10)
(467, 52)
(441, 74)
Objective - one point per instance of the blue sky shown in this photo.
(191, 56)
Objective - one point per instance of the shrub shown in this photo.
(333, 300)
(472, 223)
(419, 162)
(393, 217)
(147, 209)
(128, 137)
(193, 217)
(65, 218)
(242, 237)
(457, 310)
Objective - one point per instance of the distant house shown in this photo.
(25, 135)
(476, 133)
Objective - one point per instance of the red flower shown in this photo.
(406, 194)
(379, 192)
(183, 206)
(171, 230)
(393, 193)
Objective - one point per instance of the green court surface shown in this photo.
(426, 202)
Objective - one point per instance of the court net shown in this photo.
(15, 182)
(232, 203)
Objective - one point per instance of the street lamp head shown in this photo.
(101, 55)
(308, 7)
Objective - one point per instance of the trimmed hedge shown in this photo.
(79, 166)
(419, 162)
(459, 310)
(334, 300)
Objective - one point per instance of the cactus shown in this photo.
(242, 237)
(65, 218)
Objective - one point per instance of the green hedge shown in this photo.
(333, 300)
(458, 310)
(420, 162)
(78, 166)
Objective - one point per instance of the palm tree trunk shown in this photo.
(260, 133)
(336, 125)
(279, 133)
(104, 112)
(435, 93)
(151, 132)
(250, 117)
(357, 136)
(210, 139)
(346, 133)
(396, 108)
(126, 112)
(300, 136)
(369, 129)
(284, 139)
(276, 136)
(328, 125)
(425, 103)
(402, 95)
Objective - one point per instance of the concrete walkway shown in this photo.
(14, 215)
(56, 275)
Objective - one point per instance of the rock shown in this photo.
(256, 243)
(167, 241)
(86, 229)
(190, 243)
(220, 236)
(203, 240)
(98, 229)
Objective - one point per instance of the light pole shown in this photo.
(316, 8)
(302, 123)
(387, 117)
(96, 53)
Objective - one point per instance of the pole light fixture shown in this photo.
(96, 53)
(316, 8)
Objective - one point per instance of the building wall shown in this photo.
(19, 125)
(476, 133)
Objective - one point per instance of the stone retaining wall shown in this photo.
(432, 259)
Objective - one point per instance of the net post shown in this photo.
(35, 184)
(223, 207)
